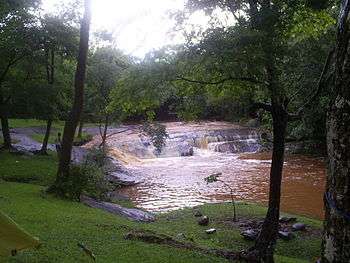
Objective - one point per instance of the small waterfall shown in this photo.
(184, 143)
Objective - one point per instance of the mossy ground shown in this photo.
(62, 224)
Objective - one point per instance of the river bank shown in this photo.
(61, 225)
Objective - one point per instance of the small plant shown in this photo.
(216, 178)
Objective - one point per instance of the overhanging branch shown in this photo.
(322, 82)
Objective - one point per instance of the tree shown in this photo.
(58, 38)
(63, 172)
(17, 40)
(265, 27)
(104, 69)
(335, 245)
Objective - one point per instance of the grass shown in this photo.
(61, 224)
(35, 169)
(25, 123)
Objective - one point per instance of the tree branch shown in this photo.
(245, 79)
(322, 82)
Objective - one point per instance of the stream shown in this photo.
(176, 179)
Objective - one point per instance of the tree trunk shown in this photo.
(43, 149)
(336, 236)
(265, 244)
(4, 122)
(80, 129)
(74, 117)
(104, 135)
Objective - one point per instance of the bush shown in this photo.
(92, 180)
(88, 178)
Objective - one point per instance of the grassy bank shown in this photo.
(60, 225)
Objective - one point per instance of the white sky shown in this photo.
(139, 26)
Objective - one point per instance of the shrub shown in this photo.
(88, 178)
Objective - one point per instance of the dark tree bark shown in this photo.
(5, 128)
(336, 236)
(104, 133)
(4, 122)
(4, 112)
(74, 117)
(265, 244)
(50, 71)
(43, 149)
(80, 129)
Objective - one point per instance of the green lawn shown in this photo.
(36, 169)
(60, 224)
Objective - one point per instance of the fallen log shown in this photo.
(161, 239)
(130, 213)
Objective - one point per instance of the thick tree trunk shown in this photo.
(4, 123)
(336, 239)
(43, 149)
(265, 244)
(74, 117)
(5, 130)
(336, 236)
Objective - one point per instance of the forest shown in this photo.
(225, 138)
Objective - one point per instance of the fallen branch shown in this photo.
(161, 239)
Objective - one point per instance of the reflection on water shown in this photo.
(176, 182)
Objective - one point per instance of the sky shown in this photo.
(138, 26)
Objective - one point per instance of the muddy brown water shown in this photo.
(177, 182)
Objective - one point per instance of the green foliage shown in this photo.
(157, 134)
(308, 23)
(88, 178)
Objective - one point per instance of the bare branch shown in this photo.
(245, 79)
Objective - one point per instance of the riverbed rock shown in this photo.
(210, 231)
(285, 235)
(198, 213)
(185, 149)
(123, 178)
(118, 174)
(250, 234)
(203, 221)
(298, 227)
(130, 213)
